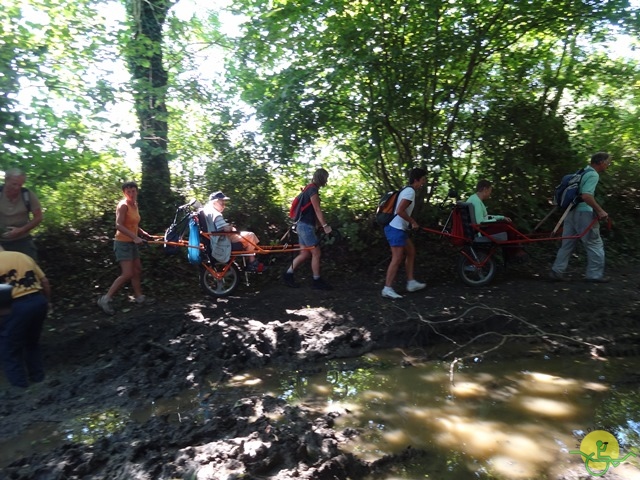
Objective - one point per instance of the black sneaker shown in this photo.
(320, 284)
(288, 280)
(557, 276)
(598, 280)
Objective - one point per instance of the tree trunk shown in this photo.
(149, 85)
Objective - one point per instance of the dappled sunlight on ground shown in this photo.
(545, 384)
(244, 380)
(469, 389)
(547, 407)
(313, 314)
(518, 425)
(504, 420)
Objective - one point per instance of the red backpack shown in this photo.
(295, 211)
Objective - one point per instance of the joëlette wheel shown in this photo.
(216, 287)
(473, 275)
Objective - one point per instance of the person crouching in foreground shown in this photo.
(23, 310)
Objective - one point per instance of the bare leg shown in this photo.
(409, 261)
(249, 241)
(136, 279)
(397, 255)
(300, 259)
(315, 261)
(126, 274)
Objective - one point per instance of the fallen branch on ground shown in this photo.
(538, 333)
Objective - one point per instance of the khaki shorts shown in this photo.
(125, 250)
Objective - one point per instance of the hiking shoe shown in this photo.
(388, 292)
(256, 267)
(414, 286)
(557, 276)
(288, 280)
(105, 304)
(598, 280)
(320, 284)
(143, 300)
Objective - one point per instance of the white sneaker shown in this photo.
(143, 300)
(414, 286)
(105, 304)
(388, 292)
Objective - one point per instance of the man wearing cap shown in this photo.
(21, 321)
(247, 241)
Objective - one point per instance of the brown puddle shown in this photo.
(516, 419)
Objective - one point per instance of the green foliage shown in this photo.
(524, 150)
(84, 196)
(251, 189)
(54, 109)
(519, 92)
(620, 408)
(357, 235)
(619, 194)
(398, 85)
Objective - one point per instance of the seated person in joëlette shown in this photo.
(492, 224)
(240, 240)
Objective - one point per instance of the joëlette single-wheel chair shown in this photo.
(217, 278)
(476, 265)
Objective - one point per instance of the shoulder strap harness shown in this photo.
(26, 197)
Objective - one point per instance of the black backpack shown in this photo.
(178, 228)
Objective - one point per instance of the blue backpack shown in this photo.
(193, 252)
(568, 192)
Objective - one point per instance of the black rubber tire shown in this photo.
(219, 288)
(476, 276)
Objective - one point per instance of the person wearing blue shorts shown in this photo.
(310, 217)
(396, 231)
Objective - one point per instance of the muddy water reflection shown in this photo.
(498, 420)
(515, 420)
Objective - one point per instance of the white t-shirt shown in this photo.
(407, 193)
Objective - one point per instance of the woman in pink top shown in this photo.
(128, 237)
